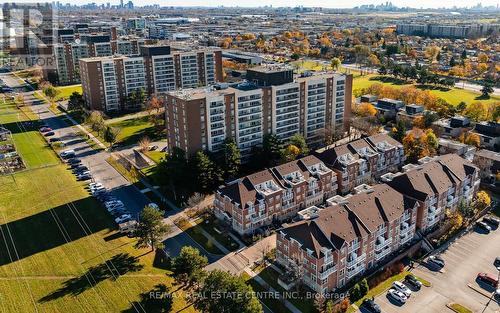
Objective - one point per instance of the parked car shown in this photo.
(371, 306)
(118, 212)
(399, 286)
(95, 185)
(48, 134)
(164, 149)
(497, 294)
(123, 218)
(74, 161)
(492, 220)
(397, 295)
(497, 261)
(489, 279)
(436, 260)
(113, 203)
(75, 165)
(413, 281)
(153, 148)
(84, 176)
(45, 129)
(54, 139)
(483, 226)
(68, 154)
(129, 228)
(80, 169)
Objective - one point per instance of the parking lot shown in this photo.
(467, 256)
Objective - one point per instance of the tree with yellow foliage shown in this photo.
(473, 140)
(366, 109)
(290, 153)
(431, 53)
(477, 111)
(482, 200)
(482, 58)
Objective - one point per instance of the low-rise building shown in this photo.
(437, 184)
(409, 113)
(447, 146)
(275, 194)
(348, 237)
(452, 127)
(488, 163)
(489, 132)
(362, 160)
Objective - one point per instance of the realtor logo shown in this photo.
(28, 31)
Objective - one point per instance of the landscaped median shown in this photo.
(458, 308)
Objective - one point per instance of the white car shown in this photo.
(95, 185)
(123, 218)
(397, 295)
(113, 203)
(399, 286)
(114, 206)
(68, 153)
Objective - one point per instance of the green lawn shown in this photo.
(59, 249)
(453, 96)
(30, 144)
(225, 240)
(196, 234)
(133, 130)
(66, 91)
(156, 156)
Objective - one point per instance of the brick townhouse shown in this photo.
(437, 184)
(362, 160)
(346, 238)
(274, 194)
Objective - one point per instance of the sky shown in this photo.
(292, 3)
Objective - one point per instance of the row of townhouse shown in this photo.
(437, 184)
(360, 161)
(358, 232)
(275, 194)
(108, 81)
(271, 101)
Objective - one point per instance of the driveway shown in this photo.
(468, 255)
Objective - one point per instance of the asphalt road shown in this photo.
(464, 258)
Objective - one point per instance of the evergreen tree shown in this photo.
(188, 265)
(151, 229)
(110, 135)
(232, 158)
(205, 171)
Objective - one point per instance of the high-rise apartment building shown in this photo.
(67, 55)
(271, 101)
(107, 81)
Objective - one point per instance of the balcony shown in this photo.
(382, 253)
(327, 271)
(354, 247)
(381, 243)
(355, 271)
(431, 221)
(355, 259)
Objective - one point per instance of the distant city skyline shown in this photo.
(285, 3)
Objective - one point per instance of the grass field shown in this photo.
(29, 143)
(66, 91)
(453, 96)
(132, 130)
(59, 250)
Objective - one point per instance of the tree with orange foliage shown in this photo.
(473, 140)
(366, 109)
